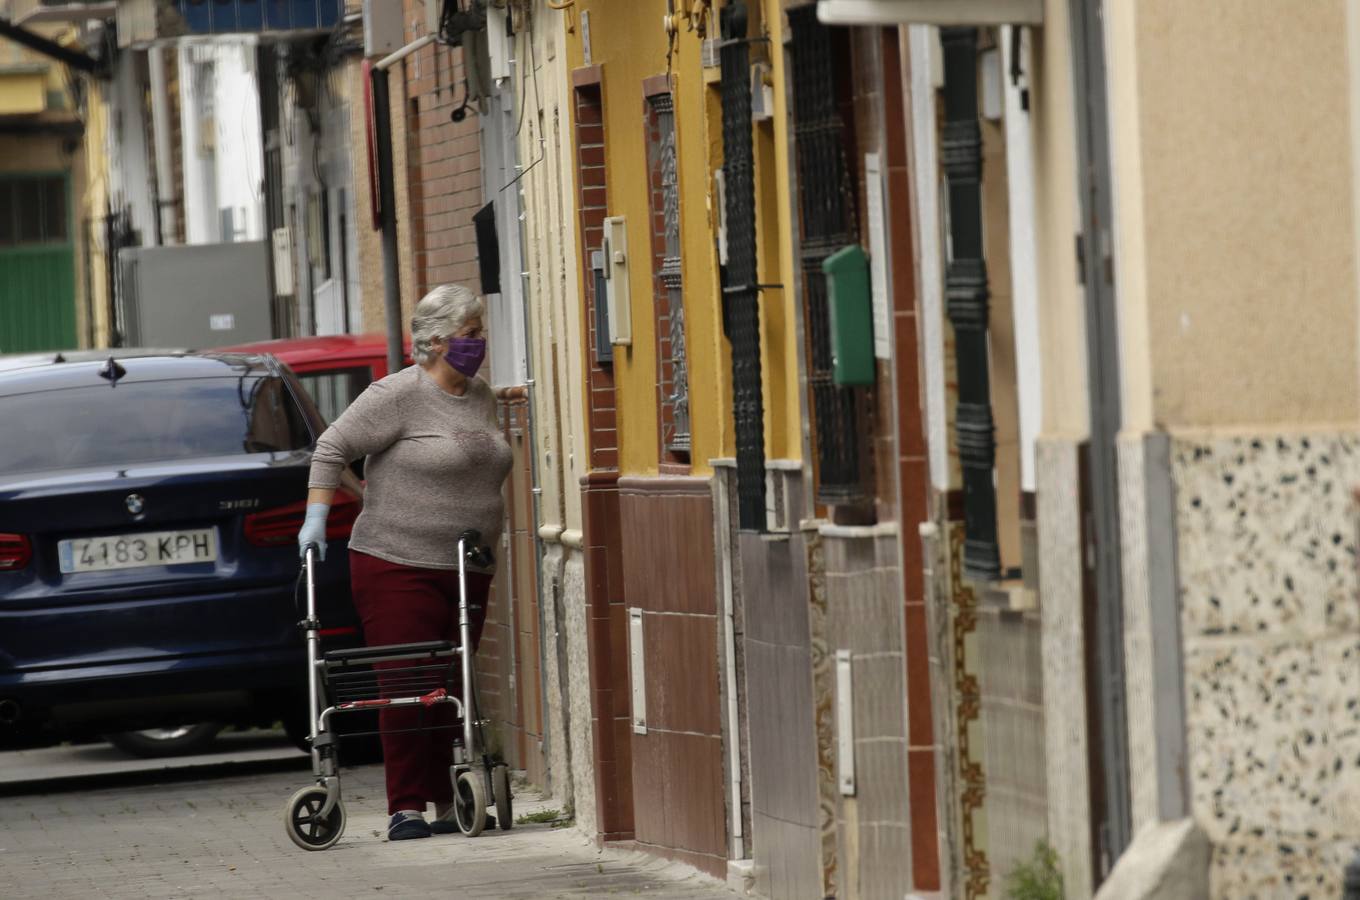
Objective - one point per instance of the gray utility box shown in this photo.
(202, 296)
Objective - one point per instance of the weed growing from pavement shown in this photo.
(1038, 878)
(551, 817)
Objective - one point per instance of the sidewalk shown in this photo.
(40, 769)
(225, 838)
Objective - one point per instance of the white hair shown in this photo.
(439, 314)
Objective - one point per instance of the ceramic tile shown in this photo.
(925, 844)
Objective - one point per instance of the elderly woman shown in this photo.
(436, 463)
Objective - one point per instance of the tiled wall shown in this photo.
(1266, 557)
(591, 206)
(607, 637)
(786, 825)
(668, 573)
(865, 616)
(1010, 676)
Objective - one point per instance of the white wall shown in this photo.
(505, 311)
(1023, 253)
(130, 177)
(924, 59)
(222, 148)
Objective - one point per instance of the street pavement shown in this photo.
(223, 836)
(29, 771)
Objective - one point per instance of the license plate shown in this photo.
(133, 551)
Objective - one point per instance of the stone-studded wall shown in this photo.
(1266, 557)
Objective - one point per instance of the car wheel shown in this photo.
(177, 740)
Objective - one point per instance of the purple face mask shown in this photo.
(466, 354)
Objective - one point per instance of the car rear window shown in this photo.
(148, 421)
(335, 390)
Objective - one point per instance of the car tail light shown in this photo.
(273, 527)
(15, 552)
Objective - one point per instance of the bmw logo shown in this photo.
(135, 504)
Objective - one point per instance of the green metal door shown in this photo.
(37, 263)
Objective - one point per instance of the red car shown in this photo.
(334, 369)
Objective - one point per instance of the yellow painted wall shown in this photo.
(22, 93)
(775, 215)
(629, 44)
(709, 359)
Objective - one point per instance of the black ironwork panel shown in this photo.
(828, 217)
(966, 297)
(741, 309)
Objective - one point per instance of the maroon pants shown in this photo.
(400, 605)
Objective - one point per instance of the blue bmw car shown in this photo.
(149, 508)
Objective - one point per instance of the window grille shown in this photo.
(741, 316)
(827, 200)
(672, 377)
(33, 210)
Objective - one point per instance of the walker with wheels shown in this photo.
(344, 681)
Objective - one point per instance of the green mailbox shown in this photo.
(850, 305)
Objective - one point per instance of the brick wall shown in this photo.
(444, 164)
(591, 204)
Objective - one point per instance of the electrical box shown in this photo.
(384, 30)
(604, 350)
(616, 281)
(499, 44)
(852, 317)
(205, 295)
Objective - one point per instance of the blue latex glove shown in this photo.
(314, 530)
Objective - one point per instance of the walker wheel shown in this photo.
(304, 824)
(469, 804)
(505, 802)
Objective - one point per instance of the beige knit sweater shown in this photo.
(436, 464)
